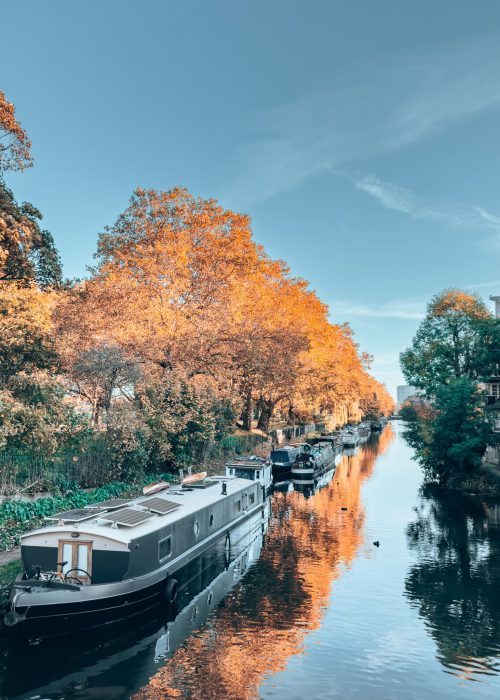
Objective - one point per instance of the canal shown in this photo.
(310, 607)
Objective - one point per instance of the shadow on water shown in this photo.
(455, 582)
(236, 623)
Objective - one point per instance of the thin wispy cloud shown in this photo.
(373, 108)
(483, 285)
(389, 195)
(402, 309)
(491, 219)
(397, 198)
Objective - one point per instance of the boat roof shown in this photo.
(121, 526)
(248, 465)
(250, 460)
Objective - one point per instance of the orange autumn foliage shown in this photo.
(180, 286)
(14, 142)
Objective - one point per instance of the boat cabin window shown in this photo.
(164, 548)
(237, 507)
(257, 474)
(251, 498)
(244, 473)
(211, 520)
(78, 555)
(281, 456)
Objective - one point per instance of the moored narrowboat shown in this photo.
(255, 468)
(364, 430)
(203, 583)
(350, 437)
(313, 462)
(282, 459)
(94, 565)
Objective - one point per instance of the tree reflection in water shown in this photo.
(264, 620)
(455, 583)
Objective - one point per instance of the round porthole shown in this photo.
(196, 529)
(211, 521)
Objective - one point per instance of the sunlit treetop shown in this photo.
(457, 338)
(456, 301)
(14, 142)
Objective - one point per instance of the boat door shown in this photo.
(78, 555)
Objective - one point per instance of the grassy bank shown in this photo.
(8, 573)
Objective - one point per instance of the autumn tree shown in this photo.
(33, 413)
(211, 326)
(165, 273)
(27, 252)
(14, 142)
(375, 401)
(268, 340)
(456, 339)
(455, 346)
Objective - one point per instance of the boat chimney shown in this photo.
(224, 488)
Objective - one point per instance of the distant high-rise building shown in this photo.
(404, 392)
(497, 305)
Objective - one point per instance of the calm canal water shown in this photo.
(311, 608)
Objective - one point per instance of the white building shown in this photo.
(497, 305)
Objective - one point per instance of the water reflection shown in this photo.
(265, 620)
(455, 583)
(237, 622)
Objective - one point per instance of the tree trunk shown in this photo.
(109, 387)
(246, 416)
(96, 413)
(267, 408)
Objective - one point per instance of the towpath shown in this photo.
(7, 557)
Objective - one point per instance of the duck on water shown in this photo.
(118, 558)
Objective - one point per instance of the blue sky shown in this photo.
(362, 137)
